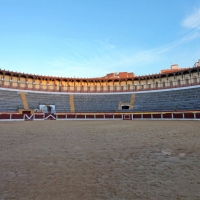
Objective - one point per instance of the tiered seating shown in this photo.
(185, 99)
(61, 101)
(10, 101)
(99, 102)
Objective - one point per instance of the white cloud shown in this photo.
(97, 58)
(193, 20)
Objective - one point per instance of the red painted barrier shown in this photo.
(4, 116)
(167, 116)
(117, 116)
(39, 116)
(89, 116)
(127, 117)
(137, 116)
(156, 116)
(197, 115)
(17, 116)
(80, 116)
(61, 116)
(99, 116)
(107, 116)
(189, 115)
(147, 116)
(71, 116)
(178, 115)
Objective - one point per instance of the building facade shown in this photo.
(113, 82)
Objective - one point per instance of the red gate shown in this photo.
(127, 116)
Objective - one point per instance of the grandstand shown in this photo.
(175, 90)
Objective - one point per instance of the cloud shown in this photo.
(97, 58)
(193, 20)
(185, 39)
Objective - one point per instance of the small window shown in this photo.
(125, 107)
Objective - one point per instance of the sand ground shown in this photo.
(100, 160)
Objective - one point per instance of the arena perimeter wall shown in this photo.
(102, 116)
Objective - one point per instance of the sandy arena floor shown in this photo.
(85, 160)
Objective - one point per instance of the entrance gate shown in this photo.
(127, 116)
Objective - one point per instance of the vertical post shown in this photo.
(183, 115)
(161, 116)
(172, 115)
(195, 116)
(132, 116)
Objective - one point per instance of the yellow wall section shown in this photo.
(23, 97)
(119, 105)
(132, 101)
(72, 107)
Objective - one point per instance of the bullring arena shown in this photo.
(120, 136)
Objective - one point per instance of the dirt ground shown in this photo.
(85, 160)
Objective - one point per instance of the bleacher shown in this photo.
(61, 101)
(10, 101)
(99, 103)
(185, 99)
(182, 99)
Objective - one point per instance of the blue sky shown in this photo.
(90, 38)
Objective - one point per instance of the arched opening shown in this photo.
(187, 81)
(156, 85)
(195, 80)
(135, 87)
(149, 86)
(163, 84)
(101, 88)
(179, 82)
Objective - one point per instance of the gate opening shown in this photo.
(125, 107)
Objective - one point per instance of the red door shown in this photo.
(127, 116)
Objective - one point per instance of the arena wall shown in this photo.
(102, 116)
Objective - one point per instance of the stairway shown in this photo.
(23, 97)
(132, 101)
(71, 100)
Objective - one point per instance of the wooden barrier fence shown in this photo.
(101, 116)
